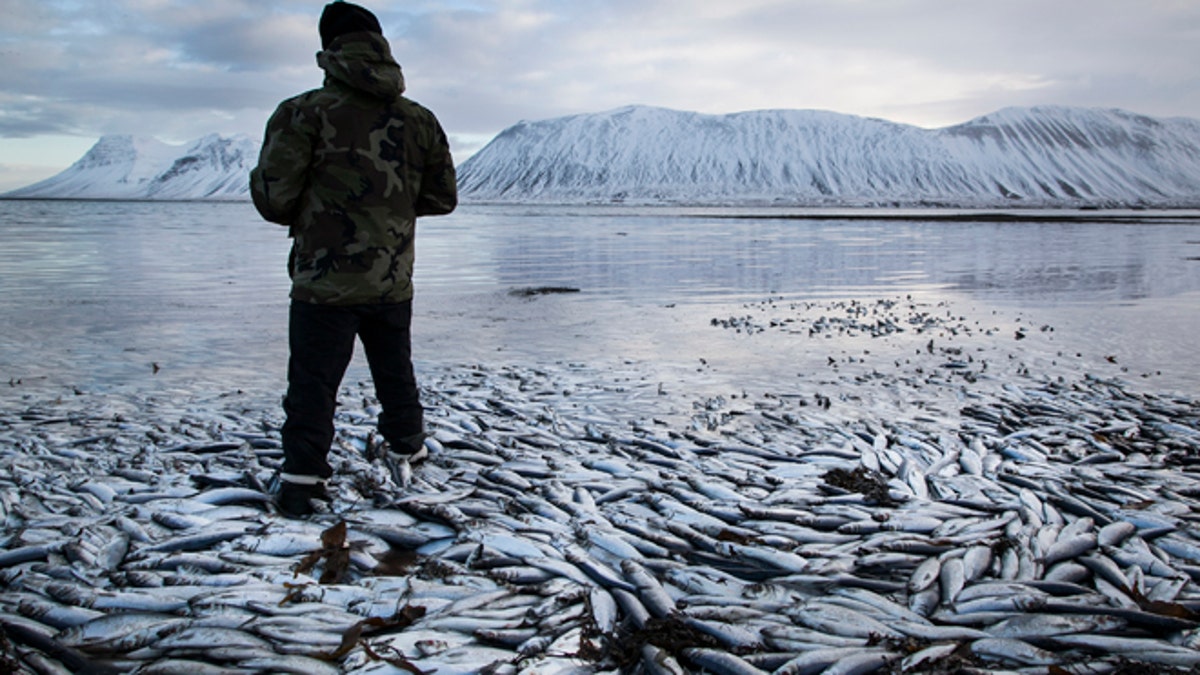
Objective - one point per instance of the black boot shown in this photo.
(295, 500)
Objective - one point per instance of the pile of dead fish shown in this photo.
(1045, 526)
(877, 318)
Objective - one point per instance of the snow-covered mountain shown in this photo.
(124, 167)
(1034, 157)
(1041, 156)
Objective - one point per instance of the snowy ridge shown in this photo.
(1046, 156)
(125, 167)
(1041, 156)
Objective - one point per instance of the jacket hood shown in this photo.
(363, 61)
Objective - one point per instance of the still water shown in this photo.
(179, 296)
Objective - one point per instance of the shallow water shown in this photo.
(101, 295)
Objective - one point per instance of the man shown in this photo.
(348, 168)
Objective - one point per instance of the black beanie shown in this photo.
(340, 18)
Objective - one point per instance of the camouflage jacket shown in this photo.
(348, 168)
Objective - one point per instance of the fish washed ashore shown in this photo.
(942, 517)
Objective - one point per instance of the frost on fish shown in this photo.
(937, 519)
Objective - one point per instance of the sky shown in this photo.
(74, 70)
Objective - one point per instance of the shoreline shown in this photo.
(985, 211)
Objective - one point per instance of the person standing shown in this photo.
(348, 168)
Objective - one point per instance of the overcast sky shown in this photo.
(73, 70)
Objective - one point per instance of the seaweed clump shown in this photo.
(862, 480)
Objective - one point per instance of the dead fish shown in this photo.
(657, 661)
(123, 632)
(1013, 651)
(719, 662)
(24, 554)
(841, 621)
(651, 593)
(1027, 626)
(200, 540)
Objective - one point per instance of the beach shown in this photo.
(899, 479)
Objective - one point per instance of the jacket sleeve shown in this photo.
(439, 187)
(278, 182)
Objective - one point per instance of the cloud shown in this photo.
(929, 62)
(179, 69)
(97, 68)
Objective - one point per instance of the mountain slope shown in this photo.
(1052, 156)
(124, 167)
(1042, 156)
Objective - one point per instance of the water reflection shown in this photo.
(101, 290)
(698, 259)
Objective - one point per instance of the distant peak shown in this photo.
(124, 166)
(1043, 156)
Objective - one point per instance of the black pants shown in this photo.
(321, 340)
